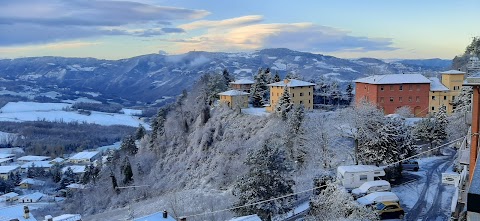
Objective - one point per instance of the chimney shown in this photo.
(26, 212)
(165, 214)
(48, 218)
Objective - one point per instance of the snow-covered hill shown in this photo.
(155, 77)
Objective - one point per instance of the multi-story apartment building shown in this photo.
(301, 92)
(444, 92)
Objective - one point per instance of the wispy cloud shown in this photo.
(239, 36)
(227, 23)
(51, 46)
(31, 21)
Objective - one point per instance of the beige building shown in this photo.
(234, 98)
(242, 85)
(301, 92)
(445, 91)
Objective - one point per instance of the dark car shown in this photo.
(410, 165)
(389, 210)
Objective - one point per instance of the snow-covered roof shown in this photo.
(34, 196)
(436, 85)
(14, 212)
(9, 195)
(33, 158)
(291, 83)
(358, 168)
(7, 169)
(243, 81)
(378, 197)
(472, 80)
(75, 169)
(6, 155)
(247, 218)
(32, 182)
(2, 160)
(85, 155)
(12, 150)
(76, 186)
(394, 79)
(365, 186)
(155, 217)
(453, 72)
(233, 93)
(41, 164)
(68, 217)
(57, 160)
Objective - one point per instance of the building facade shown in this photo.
(445, 92)
(393, 91)
(301, 92)
(242, 85)
(234, 98)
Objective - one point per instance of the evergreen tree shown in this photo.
(259, 91)
(267, 178)
(140, 132)
(128, 145)
(114, 183)
(462, 102)
(349, 93)
(158, 126)
(127, 172)
(67, 178)
(284, 104)
(228, 77)
(293, 138)
(474, 47)
(56, 173)
(276, 78)
(427, 130)
(441, 124)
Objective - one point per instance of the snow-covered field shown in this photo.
(255, 111)
(31, 111)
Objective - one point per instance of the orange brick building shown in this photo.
(393, 91)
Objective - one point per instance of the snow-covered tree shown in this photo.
(334, 203)
(268, 177)
(127, 171)
(293, 138)
(227, 76)
(158, 125)
(259, 91)
(349, 92)
(463, 101)
(404, 111)
(114, 183)
(128, 145)
(67, 178)
(140, 132)
(276, 78)
(284, 104)
(427, 130)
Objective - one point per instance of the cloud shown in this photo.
(32, 21)
(229, 23)
(297, 36)
(51, 46)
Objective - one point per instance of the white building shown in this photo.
(31, 198)
(17, 212)
(85, 157)
(6, 161)
(6, 170)
(45, 165)
(10, 197)
(64, 217)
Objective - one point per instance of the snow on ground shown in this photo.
(297, 58)
(299, 209)
(31, 111)
(408, 193)
(242, 70)
(131, 112)
(15, 107)
(331, 74)
(257, 111)
(114, 146)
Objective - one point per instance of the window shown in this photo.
(293, 94)
(453, 98)
(309, 101)
(444, 98)
(391, 99)
(301, 102)
(363, 177)
(433, 108)
(418, 99)
(400, 88)
(301, 94)
(400, 99)
(309, 93)
(418, 87)
(381, 88)
(456, 88)
(381, 100)
(410, 87)
(391, 87)
(409, 99)
(365, 86)
(433, 97)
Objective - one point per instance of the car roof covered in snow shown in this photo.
(358, 168)
(378, 197)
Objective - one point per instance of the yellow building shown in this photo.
(301, 92)
(234, 98)
(444, 92)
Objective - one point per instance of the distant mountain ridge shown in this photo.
(152, 77)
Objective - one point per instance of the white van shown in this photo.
(377, 197)
(354, 176)
(372, 186)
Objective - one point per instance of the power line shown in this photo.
(314, 188)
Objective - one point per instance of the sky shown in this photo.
(394, 29)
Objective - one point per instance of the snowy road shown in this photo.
(433, 199)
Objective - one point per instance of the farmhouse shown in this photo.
(85, 157)
(6, 170)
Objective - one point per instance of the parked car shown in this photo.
(410, 165)
(377, 197)
(371, 187)
(390, 210)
